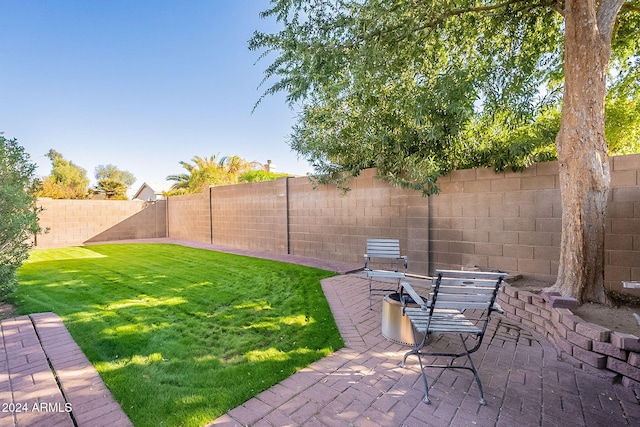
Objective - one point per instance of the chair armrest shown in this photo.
(406, 261)
(413, 294)
(366, 261)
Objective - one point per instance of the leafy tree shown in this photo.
(113, 181)
(419, 88)
(67, 180)
(18, 214)
(259, 175)
(208, 171)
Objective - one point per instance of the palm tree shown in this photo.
(207, 171)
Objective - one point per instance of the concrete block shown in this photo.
(579, 340)
(483, 186)
(538, 182)
(625, 341)
(628, 382)
(609, 350)
(534, 266)
(517, 303)
(545, 314)
(590, 358)
(565, 346)
(506, 184)
(620, 163)
(559, 330)
(594, 332)
(570, 321)
(520, 224)
(533, 310)
(623, 368)
(523, 314)
(610, 376)
(634, 359)
(547, 168)
(511, 291)
(528, 324)
(563, 302)
(626, 194)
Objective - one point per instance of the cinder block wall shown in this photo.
(75, 222)
(508, 221)
(512, 221)
(327, 223)
(251, 216)
(622, 239)
(292, 215)
(189, 217)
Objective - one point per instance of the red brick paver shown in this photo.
(46, 380)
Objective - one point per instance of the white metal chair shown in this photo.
(384, 261)
(461, 304)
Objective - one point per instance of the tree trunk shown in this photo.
(582, 148)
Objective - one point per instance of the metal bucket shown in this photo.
(395, 326)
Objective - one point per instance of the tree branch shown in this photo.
(458, 12)
(606, 16)
(557, 5)
(627, 7)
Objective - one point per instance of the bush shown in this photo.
(18, 213)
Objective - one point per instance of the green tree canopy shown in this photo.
(417, 89)
(67, 180)
(18, 213)
(113, 181)
(259, 175)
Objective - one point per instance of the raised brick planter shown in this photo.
(588, 346)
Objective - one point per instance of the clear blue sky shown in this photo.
(139, 84)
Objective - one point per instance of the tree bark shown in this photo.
(582, 148)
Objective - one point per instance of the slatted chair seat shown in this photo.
(383, 260)
(441, 321)
(454, 307)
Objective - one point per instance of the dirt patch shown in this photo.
(7, 311)
(619, 318)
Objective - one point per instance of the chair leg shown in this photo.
(370, 296)
(416, 351)
(407, 354)
(424, 380)
(473, 369)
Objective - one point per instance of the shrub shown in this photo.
(18, 213)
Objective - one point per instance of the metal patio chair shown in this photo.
(384, 261)
(460, 304)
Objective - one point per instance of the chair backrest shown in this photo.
(383, 248)
(465, 293)
(477, 275)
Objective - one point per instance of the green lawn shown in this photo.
(182, 335)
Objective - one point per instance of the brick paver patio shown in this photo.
(362, 384)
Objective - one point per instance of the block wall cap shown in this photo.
(547, 295)
(563, 302)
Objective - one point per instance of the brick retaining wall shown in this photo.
(594, 348)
